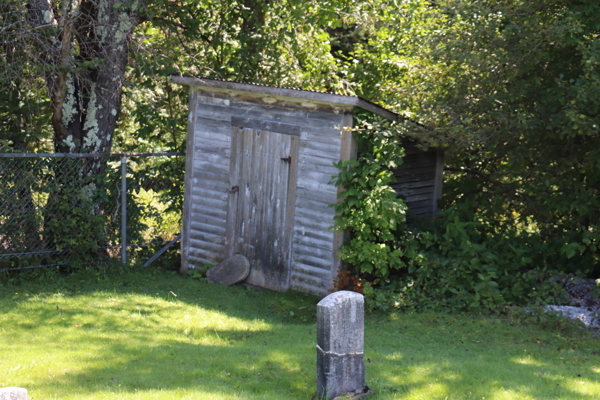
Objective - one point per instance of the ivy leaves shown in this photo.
(368, 207)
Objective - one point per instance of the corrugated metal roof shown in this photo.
(316, 95)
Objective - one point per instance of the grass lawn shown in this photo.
(154, 335)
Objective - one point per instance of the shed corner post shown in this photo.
(348, 151)
(439, 180)
(187, 181)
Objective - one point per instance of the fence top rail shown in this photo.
(86, 155)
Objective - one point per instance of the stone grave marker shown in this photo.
(340, 345)
(13, 393)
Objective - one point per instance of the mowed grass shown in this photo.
(154, 335)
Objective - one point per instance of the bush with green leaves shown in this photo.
(460, 261)
(469, 266)
(368, 207)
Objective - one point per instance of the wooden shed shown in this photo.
(258, 165)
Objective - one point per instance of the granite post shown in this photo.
(13, 393)
(340, 344)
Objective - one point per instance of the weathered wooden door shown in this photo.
(261, 203)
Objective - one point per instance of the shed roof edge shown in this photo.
(288, 92)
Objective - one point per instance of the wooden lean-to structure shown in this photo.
(258, 166)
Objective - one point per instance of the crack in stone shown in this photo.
(332, 353)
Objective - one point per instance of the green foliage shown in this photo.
(469, 267)
(466, 266)
(368, 208)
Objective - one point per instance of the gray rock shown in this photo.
(230, 271)
(13, 393)
(590, 317)
(340, 344)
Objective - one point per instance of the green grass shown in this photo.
(152, 335)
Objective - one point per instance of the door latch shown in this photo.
(234, 189)
(287, 159)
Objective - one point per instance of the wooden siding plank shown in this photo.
(419, 190)
(329, 170)
(419, 203)
(318, 206)
(315, 282)
(202, 191)
(196, 235)
(323, 154)
(187, 181)
(198, 262)
(418, 197)
(317, 177)
(331, 139)
(213, 147)
(312, 261)
(213, 113)
(211, 185)
(414, 178)
(333, 148)
(217, 164)
(312, 185)
(291, 205)
(323, 216)
(206, 246)
(417, 163)
(318, 273)
(410, 185)
(402, 171)
(202, 200)
(213, 229)
(307, 222)
(324, 255)
(311, 242)
(199, 209)
(204, 133)
(241, 106)
(327, 116)
(307, 159)
(210, 125)
(289, 111)
(322, 131)
(319, 235)
(206, 254)
(210, 176)
(217, 113)
(233, 200)
(439, 181)
(264, 125)
(215, 221)
(204, 98)
(329, 198)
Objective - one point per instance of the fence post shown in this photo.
(124, 210)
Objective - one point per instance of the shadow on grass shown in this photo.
(121, 343)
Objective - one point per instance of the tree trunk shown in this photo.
(86, 44)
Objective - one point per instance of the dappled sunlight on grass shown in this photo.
(166, 336)
(527, 360)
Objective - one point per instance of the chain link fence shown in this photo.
(72, 209)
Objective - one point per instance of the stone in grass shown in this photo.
(13, 393)
(231, 271)
(340, 345)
